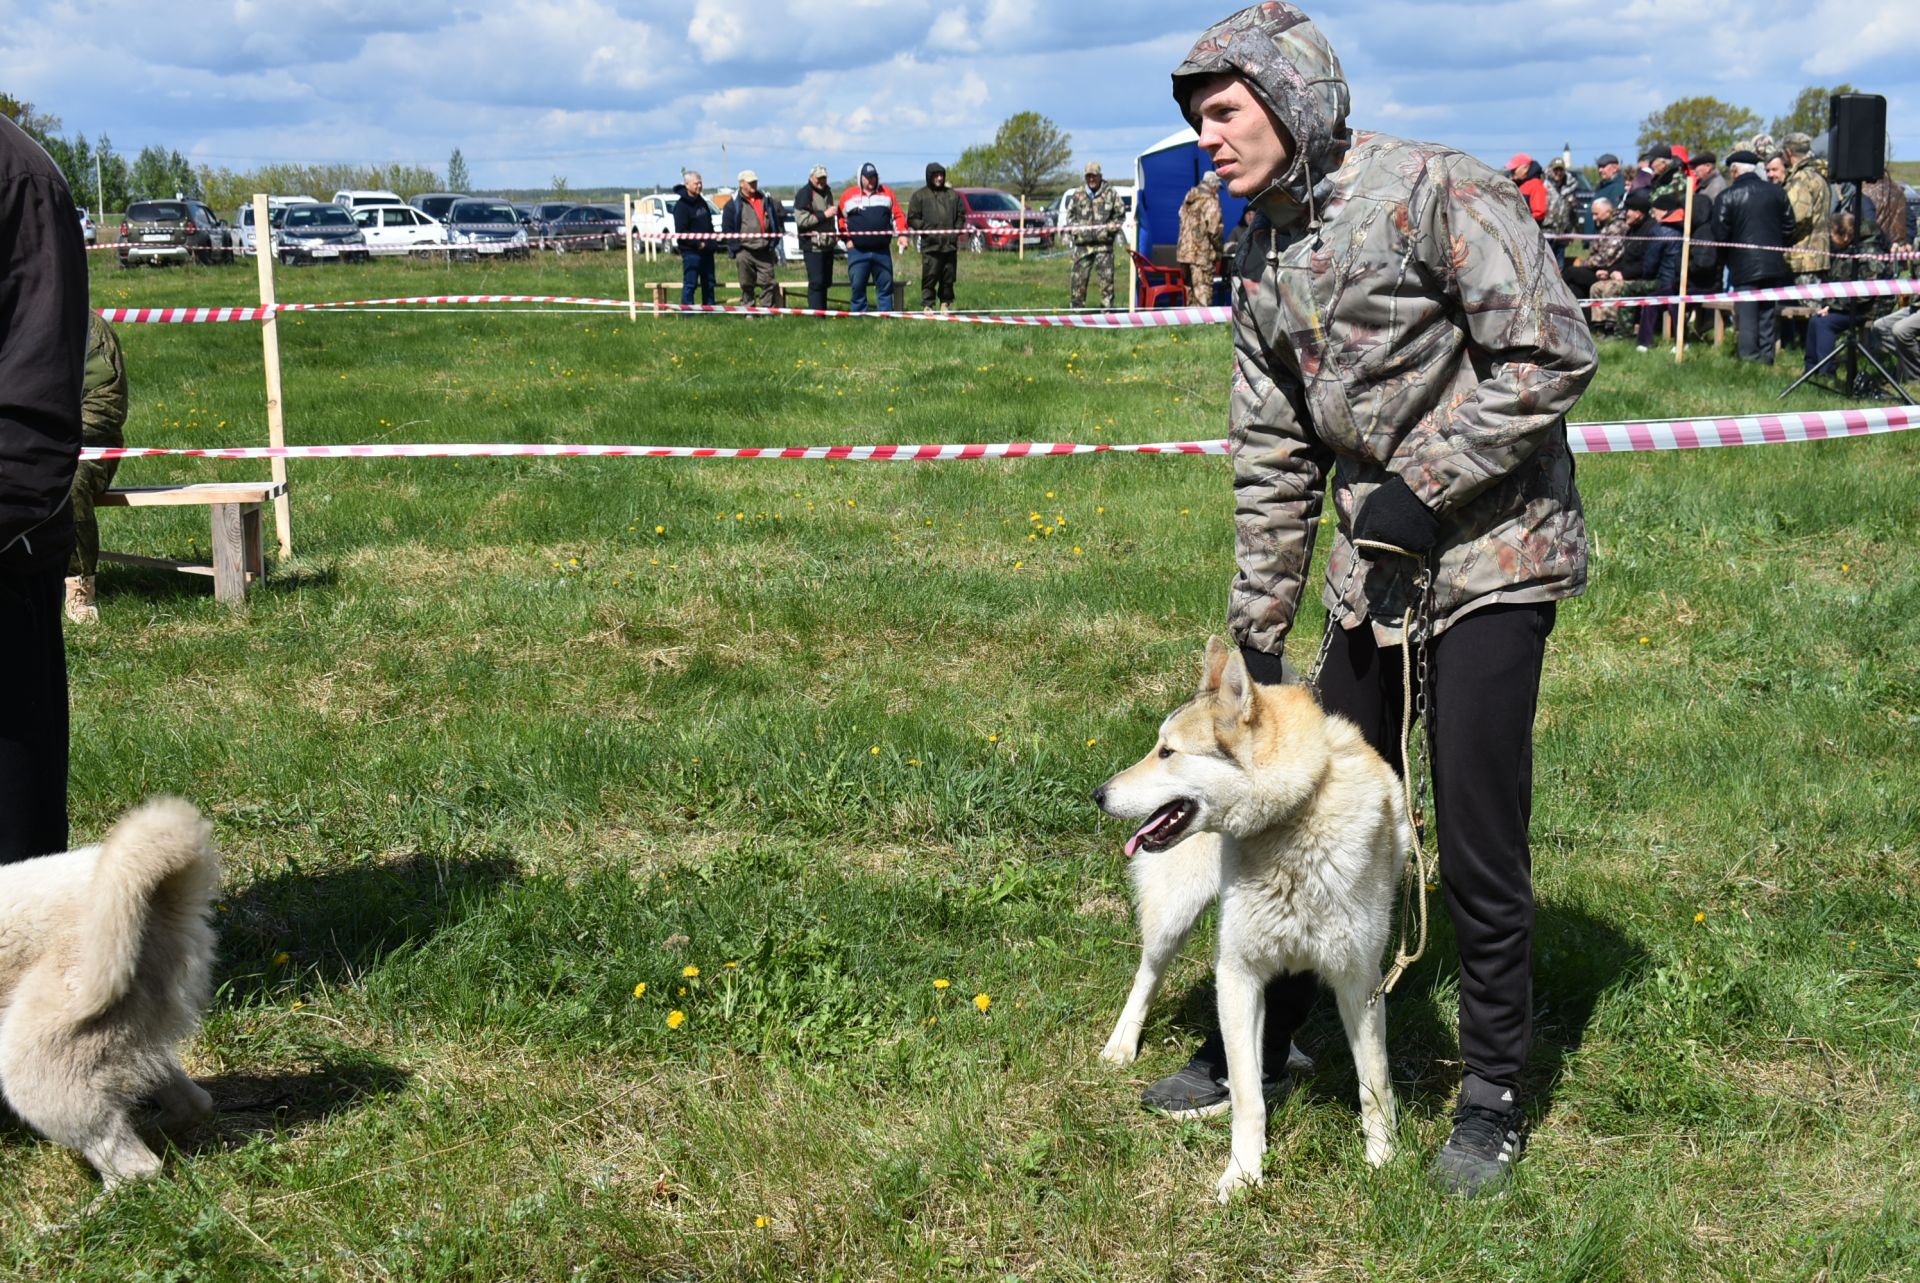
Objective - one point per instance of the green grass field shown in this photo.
(506, 741)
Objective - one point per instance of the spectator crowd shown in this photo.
(1765, 216)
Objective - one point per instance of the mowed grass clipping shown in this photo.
(685, 870)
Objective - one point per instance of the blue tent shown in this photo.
(1162, 175)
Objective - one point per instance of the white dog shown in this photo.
(104, 961)
(1312, 835)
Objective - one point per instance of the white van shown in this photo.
(354, 198)
(243, 218)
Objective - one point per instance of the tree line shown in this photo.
(1721, 126)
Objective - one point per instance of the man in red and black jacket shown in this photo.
(870, 218)
(43, 352)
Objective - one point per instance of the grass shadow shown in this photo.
(337, 925)
(118, 581)
(250, 1106)
(1578, 958)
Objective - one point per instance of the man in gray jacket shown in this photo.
(1400, 329)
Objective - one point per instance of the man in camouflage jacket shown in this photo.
(1400, 329)
(1201, 236)
(1811, 197)
(103, 416)
(1092, 208)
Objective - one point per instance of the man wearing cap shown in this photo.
(934, 209)
(1563, 207)
(1754, 212)
(1667, 174)
(1612, 186)
(1708, 181)
(817, 221)
(1811, 197)
(1524, 170)
(1096, 213)
(1398, 325)
(1200, 237)
(754, 224)
(869, 218)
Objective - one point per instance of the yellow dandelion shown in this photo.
(659, 530)
(993, 739)
(281, 959)
(943, 983)
(296, 1006)
(1049, 494)
(676, 1018)
(640, 990)
(759, 1222)
(982, 1001)
(1092, 742)
(689, 971)
(1645, 641)
(729, 966)
(1097, 510)
(875, 750)
(1699, 917)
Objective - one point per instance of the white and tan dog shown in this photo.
(1309, 834)
(105, 955)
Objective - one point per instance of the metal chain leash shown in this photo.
(1416, 630)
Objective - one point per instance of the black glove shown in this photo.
(1392, 515)
(1265, 669)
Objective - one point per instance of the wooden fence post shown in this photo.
(633, 310)
(270, 343)
(1686, 260)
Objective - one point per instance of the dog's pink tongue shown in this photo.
(1133, 843)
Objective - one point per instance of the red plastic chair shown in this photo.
(1159, 286)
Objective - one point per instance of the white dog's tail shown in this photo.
(157, 868)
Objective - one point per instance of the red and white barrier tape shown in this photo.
(1070, 319)
(958, 233)
(1583, 438)
(1783, 294)
(1885, 256)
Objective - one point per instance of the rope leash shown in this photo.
(1416, 625)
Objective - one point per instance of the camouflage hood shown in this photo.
(1293, 69)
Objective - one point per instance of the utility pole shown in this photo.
(99, 190)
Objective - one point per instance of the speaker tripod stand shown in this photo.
(1854, 349)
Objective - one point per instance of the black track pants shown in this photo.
(33, 717)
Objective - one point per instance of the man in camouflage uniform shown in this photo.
(1090, 208)
(1811, 197)
(1668, 176)
(1201, 236)
(1400, 328)
(103, 414)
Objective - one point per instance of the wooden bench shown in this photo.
(239, 556)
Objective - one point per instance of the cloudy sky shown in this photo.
(625, 92)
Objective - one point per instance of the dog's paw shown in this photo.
(1119, 1052)
(1234, 1180)
(1379, 1152)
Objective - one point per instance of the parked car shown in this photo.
(585, 227)
(243, 219)
(995, 221)
(173, 231)
(353, 198)
(317, 233)
(86, 226)
(653, 216)
(543, 214)
(436, 204)
(480, 226)
(398, 229)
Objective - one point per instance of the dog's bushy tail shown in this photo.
(157, 870)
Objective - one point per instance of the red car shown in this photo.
(993, 221)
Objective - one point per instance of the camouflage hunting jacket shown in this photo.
(1609, 244)
(1812, 201)
(1085, 207)
(1398, 313)
(1200, 231)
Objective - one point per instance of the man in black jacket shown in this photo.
(936, 208)
(1753, 211)
(692, 217)
(43, 351)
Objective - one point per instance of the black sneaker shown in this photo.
(1199, 1088)
(1479, 1157)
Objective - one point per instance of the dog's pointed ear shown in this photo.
(1236, 686)
(1214, 664)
